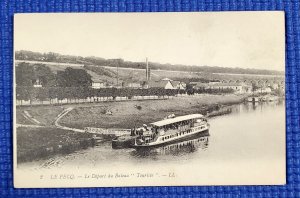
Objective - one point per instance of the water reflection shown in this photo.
(249, 132)
(193, 144)
(252, 106)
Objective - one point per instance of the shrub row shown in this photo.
(48, 93)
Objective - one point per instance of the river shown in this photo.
(252, 137)
(252, 132)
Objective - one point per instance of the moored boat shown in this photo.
(252, 99)
(171, 130)
(124, 141)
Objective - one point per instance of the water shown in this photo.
(252, 136)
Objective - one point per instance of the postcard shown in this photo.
(149, 99)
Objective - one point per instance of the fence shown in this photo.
(72, 95)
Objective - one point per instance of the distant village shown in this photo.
(247, 86)
(237, 86)
(44, 83)
(102, 77)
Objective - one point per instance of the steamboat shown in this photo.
(171, 129)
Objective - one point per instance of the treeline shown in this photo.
(71, 93)
(48, 93)
(55, 57)
(28, 75)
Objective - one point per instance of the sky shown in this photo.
(225, 39)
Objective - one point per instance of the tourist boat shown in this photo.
(171, 130)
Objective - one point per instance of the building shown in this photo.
(166, 79)
(238, 88)
(98, 84)
(263, 89)
(160, 84)
(199, 85)
(37, 83)
(178, 85)
(135, 85)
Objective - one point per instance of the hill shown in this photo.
(120, 63)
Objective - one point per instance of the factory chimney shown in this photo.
(147, 70)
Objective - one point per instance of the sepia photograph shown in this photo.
(149, 99)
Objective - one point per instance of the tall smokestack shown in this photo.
(149, 73)
(147, 70)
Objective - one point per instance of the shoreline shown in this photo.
(54, 141)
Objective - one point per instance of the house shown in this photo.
(98, 84)
(263, 89)
(199, 85)
(166, 79)
(238, 88)
(178, 85)
(37, 83)
(134, 85)
(160, 84)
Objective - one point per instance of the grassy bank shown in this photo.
(44, 114)
(126, 114)
(37, 143)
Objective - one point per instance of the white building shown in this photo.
(161, 84)
(98, 84)
(238, 88)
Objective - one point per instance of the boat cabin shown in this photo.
(176, 124)
(172, 128)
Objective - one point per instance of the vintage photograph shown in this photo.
(149, 99)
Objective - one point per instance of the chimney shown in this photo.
(147, 70)
(149, 73)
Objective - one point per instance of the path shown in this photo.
(29, 126)
(29, 117)
(61, 115)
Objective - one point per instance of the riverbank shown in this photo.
(130, 113)
(48, 140)
(39, 143)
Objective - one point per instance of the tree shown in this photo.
(25, 75)
(44, 74)
(74, 78)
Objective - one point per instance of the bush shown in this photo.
(139, 107)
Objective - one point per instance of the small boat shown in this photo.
(253, 99)
(124, 141)
(264, 98)
(171, 130)
(273, 98)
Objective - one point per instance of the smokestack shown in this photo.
(149, 73)
(147, 70)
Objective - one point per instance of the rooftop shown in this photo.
(226, 84)
(176, 119)
(161, 84)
